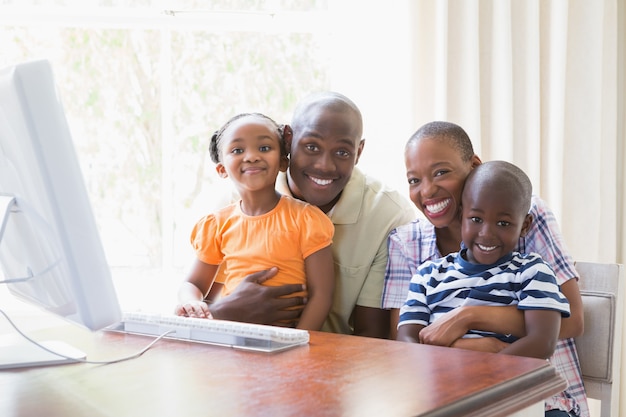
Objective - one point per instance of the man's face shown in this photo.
(325, 148)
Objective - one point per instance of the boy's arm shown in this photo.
(542, 333)
(507, 320)
(374, 321)
(456, 323)
(320, 283)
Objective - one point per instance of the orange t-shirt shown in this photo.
(283, 237)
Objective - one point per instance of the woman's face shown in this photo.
(436, 174)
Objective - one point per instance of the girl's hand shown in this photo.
(194, 308)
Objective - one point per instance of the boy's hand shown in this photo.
(446, 329)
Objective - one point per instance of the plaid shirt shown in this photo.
(412, 244)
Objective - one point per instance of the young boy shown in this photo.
(495, 204)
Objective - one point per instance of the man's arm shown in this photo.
(371, 322)
(252, 302)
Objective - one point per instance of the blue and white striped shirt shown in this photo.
(441, 285)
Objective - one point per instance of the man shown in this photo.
(326, 145)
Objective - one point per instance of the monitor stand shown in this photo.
(26, 354)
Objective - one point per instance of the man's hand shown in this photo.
(252, 302)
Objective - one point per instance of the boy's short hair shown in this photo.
(500, 174)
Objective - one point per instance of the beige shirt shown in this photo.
(363, 217)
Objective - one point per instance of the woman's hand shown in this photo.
(482, 344)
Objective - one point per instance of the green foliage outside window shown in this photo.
(143, 102)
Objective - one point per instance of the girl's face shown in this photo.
(250, 154)
(436, 174)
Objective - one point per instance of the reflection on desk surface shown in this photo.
(334, 375)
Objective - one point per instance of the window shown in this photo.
(144, 87)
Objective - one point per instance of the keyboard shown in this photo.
(234, 334)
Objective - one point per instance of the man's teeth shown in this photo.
(486, 248)
(320, 181)
(436, 208)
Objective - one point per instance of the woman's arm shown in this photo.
(320, 284)
(544, 237)
(481, 344)
(572, 326)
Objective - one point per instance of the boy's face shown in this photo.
(250, 154)
(493, 219)
(436, 174)
(325, 148)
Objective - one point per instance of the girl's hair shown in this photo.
(214, 146)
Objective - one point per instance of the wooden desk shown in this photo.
(334, 376)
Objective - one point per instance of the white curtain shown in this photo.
(538, 83)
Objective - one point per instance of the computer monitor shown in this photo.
(50, 250)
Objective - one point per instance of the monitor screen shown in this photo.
(50, 250)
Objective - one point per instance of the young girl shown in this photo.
(263, 229)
